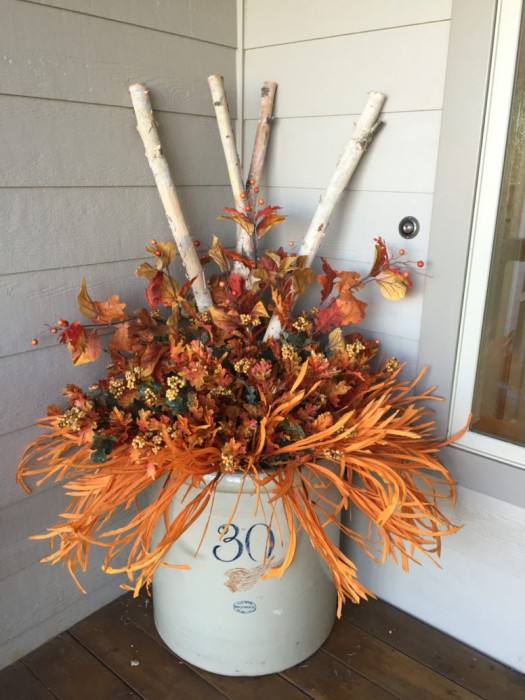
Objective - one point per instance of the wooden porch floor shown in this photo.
(374, 652)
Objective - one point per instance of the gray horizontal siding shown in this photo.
(96, 60)
(208, 20)
(78, 199)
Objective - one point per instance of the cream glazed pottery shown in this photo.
(221, 615)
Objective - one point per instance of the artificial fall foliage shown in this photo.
(189, 393)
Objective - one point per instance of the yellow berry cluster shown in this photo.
(242, 366)
(221, 391)
(149, 439)
(353, 349)
(303, 324)
(391, 365)
(227, 463)
(332, 454)
(288, 352)
(116, 387)
(131, 376)
(71, 419)
(150, 398)
(174, 384)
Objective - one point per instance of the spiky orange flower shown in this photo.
(190, 394)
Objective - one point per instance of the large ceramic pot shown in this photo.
(221, 615)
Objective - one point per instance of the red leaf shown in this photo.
(239, 217)
(83, 343)
(327, 280)
(380, 258)
(153, 290)
(327, 317)
(236, 283)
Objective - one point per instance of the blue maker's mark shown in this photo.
(244, 606)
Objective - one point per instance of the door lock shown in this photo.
(408, 227)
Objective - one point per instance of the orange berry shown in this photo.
(222, 284)
(34, 341)
(406, 275)
(261, 201)
(196, 243)
(53, 330)
(401, 251)
(420, 263)
(153, 241)
(158, 253)
(255, 189)
(243, 195)
(63, 323)
(248, 207)
(291, 243)
(252, 181)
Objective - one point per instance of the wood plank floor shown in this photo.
(375, 652)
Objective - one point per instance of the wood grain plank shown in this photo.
(140, 612)
(415, 78)
(325, 678)
(76, 57)
(209, 20)
(402, 158)
(72, 672)
(147, 667)
(275, 22)
(389, 668)
(18, 683)
(84, 226)
(48, 143)
(427, 645)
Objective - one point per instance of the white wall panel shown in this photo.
(402, 158)
(482, 568)
(278, 22)
(333, 75)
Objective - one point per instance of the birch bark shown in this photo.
(364, 131)
(147, 129)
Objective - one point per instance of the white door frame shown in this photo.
(464, 112)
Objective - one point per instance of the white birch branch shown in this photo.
(365, 129)
(245, 242)
(147, 129)
(262, 135)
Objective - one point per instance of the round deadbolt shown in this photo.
(408, 227)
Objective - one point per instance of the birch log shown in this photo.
(147, 129)
(245, 242)
(262, 135)
(364, 131)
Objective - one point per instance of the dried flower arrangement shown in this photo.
(227, 377)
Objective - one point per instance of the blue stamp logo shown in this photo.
(244, 606)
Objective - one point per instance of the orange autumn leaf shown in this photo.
(83, 343)
(103, 312)
(352, 310)
(217, 254)
(239, 218)
(120, 340)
